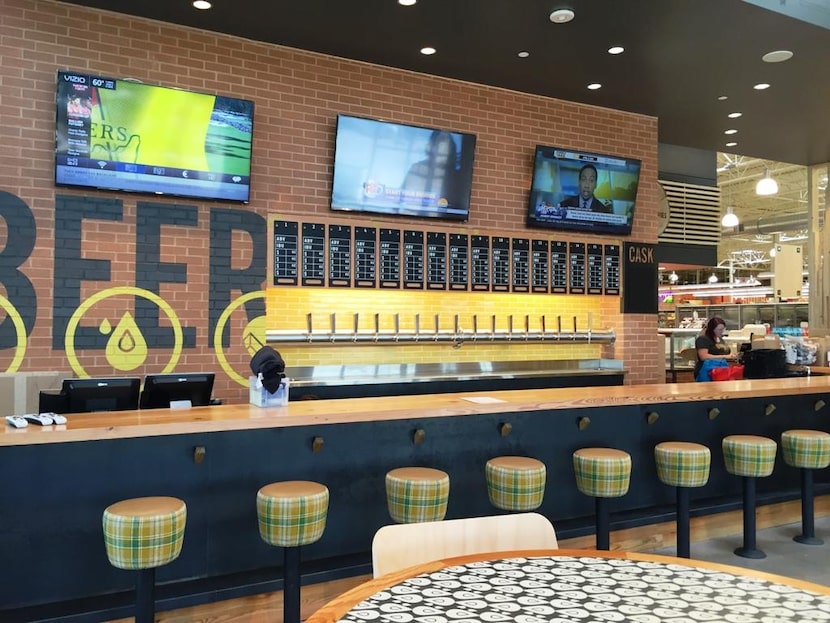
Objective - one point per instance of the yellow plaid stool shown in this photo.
(291, 514)
(602, 473)
(416, 494)
(682, 465)
(807, 450)
(515, 483)
(750, 457)
(141, 534)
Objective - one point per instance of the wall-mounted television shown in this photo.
(124, 135)
(162, 391)
(397, 169)
(584, 192)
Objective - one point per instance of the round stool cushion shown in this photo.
(416, 494)
(602, 472)
(808, 449)
(682, 464)
(515, 483)
(749, 455)
(292, 513)
(144, 533)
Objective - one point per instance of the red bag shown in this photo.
(728, 373)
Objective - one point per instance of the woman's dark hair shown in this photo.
(714, 321)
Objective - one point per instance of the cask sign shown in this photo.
(639, 279)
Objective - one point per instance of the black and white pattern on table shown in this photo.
(586, 590)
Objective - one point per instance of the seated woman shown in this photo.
(710, 345)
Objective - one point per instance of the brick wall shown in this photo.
(297, 95)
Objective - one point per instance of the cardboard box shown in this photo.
(261, 397)
(766, 341)
(20, 391)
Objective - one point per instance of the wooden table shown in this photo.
(578, 585)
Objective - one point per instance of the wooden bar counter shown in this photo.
(58, 479)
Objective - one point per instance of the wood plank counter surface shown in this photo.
(158, 422)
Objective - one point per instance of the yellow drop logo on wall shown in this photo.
(126, 347)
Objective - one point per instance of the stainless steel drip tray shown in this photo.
(429, 372)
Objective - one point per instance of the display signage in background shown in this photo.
(340, 256)
(500, 256)
(640, 278)
(390, 258)
(612, 269)
(594, 269)
(459, 261)
(539, 266)
(521, 264)
(558, 267)
(436, 260)
(365, 262)
(314, 254)
(576, 256)
(286, 250)
(480, 262)
(413, 260)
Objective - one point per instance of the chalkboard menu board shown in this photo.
(413, 260)
(500, 256)
(286, 252)
(390, 258)
(576, 253)
(365, 262)
(459, 262)
(340, 256)
(480, 262)
(314, 254)
(558, 267)
(594, 269)
(539, 266)
(520, 280)
(612, 269)
(436, 260)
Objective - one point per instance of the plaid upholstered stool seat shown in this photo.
(602, 473)
(750, 457)
(416, 494)
(682, 465)
(515, 483)
(141, 534)
(807, 450)
(291, 514)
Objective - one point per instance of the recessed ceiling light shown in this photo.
(523, 54)
(734, 115)
(562, 16)
(722, 97)
(761, 86)
(730, 131)
(427, 51)
(201, 4)
(778, 56)
(594, 86)
(617, 49)
(731, 144)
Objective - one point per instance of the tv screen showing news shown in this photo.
(128, 136)
(397, 169)
(584, 192)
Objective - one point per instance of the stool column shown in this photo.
(807, 450)
(749, 549)
(145, 596)
(683, 526)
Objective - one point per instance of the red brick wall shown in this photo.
(297, 95)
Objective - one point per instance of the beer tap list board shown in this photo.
(343, 255)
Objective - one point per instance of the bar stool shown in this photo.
(750, 457)
(141, 534)
(515, 483)
(806, 450)
(291, 514)
(602, 473)
(416, 494)
(682, 465)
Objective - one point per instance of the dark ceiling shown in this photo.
(680, 55)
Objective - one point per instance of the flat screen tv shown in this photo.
(100, 394)
(582, 192)
(397, 169)
(128, 136)
(162, 391)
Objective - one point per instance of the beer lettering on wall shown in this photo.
(639, 279)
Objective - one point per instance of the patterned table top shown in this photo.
(588, 589)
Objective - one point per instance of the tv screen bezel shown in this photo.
(197, 385)
(587, 227)
(466, 160)
(201, 189)
(124, 388)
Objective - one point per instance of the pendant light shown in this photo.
(766, 185)
(730, 219)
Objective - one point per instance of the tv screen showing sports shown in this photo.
(100, 394)
(128, 136)
(190, 389)
(397, 169)
(584, 192)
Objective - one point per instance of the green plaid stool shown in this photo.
(602, 473)
(141, 534)
(515, 483)
(682, 465)
(416, 494)
(750, 457)
(291, 514)
(807, 450)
